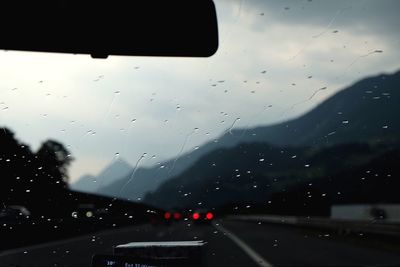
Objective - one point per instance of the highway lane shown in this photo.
(284, 245)
(78, 251)
(277, 245)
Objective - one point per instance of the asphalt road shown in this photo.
(229, 244)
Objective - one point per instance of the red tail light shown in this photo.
(177, 216)
(167, 215)
(209, 216)
(196, 216)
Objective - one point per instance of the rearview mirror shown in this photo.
(101, 28)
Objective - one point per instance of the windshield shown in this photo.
(280, 149)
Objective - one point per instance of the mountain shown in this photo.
(367, 110)
(90, 184)
(287, 180)
(86, 183)
(344, 151)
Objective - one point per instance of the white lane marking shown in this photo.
(248, 250)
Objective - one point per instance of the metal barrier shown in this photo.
(347, 226)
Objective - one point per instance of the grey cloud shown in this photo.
(363, 16)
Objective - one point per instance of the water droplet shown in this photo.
(261, 160)
(345, 122)
(74, 214)
(307, 165)
(196, 147)
(39, 168)
(162, 166)
(385, 127)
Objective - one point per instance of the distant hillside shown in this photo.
(90, 183)
(287, 180)
(366, 110)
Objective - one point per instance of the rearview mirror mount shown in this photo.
(102, 28)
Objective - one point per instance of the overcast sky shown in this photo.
(136, 105)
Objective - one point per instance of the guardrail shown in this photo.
(342, 226)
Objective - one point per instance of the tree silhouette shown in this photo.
(54, 159)
(32, 179)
